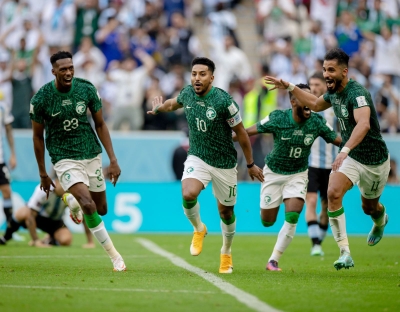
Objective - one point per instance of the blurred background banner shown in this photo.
(157, 208)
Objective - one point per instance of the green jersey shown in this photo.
(210, 119)
(292, 140)
(372, 150)
(69, 134)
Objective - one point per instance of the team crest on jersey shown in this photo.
(309, 139)
(345, 112)
(80, 107)
(211, 113)
(267, 199)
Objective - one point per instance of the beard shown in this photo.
(299, 113)
(337, 85)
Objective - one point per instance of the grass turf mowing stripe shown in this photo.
(240, 295)
(110, 289)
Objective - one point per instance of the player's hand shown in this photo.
(157, 101)
(12, 162)
(256, 172)
(45, 185)
(114, 171)
(38, 243)
(276, 83)
(338, 161)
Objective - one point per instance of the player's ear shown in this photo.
(53, 71)
(212, 78)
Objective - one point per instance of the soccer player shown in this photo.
(45, 214)
(212, 114)
(320, 166)
(285, 170)
(60, 107)
(6, 120)
(363, 158)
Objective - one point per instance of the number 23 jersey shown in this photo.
(69, 134)
(210, 119)
(292, 140)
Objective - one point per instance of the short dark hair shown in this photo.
(59, 56)
(317, 75)
(204, 61)
(339, 55)
(300, 86)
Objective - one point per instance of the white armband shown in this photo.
(291, 87)
(345, 149)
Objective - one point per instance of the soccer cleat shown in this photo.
(226, 266)
(272, 265)
(316, 250)
(375, 236)
(119, 264)
(3, 241)
(75, 213)
(197, 242)
(344, 261)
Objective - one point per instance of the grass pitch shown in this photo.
(76, 279)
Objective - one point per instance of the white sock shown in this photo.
(381, 220)
(104, 239)
(338, 226)
(285, 237)
(193, 215)
(228, 232)
(72, 202)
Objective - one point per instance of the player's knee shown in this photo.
(88, 206)
(226, 214)
(189, 195)
(334, 193)
(292, 217)
(267, 223)
(22, 214)
(102, 210)
(368, 208)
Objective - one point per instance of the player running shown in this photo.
(60, 107)
(363, 158)
(212, 114)
(286, 167)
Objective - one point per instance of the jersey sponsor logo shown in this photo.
(31, 109)
(80, 107)
(66, 102)
(282, 138)
(361, 101)
(309, 139)
(298, 132)
(237, 119)
(211, 113)
(344, 111)
(52, 115)
(265, 120)
(233, 109)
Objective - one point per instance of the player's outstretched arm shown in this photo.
(244, 141)
(38, 145)
(31, 225)
(250, 132)
(164, 107)
(114, 170)
(316, 104)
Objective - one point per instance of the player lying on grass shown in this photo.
(212, 114)
(363, 158)
(45, 214)
(286, 167)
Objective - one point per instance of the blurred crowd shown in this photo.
(133, 50)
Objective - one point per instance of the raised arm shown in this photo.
(114, 170)
(164, 107)
(316, 104)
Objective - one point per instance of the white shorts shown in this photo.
(277, 187)
(87, 171)
(371, 179)
(224, 181)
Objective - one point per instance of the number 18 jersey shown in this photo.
(292, 140)
(210, 119)
(69, 134)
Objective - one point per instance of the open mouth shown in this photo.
(68, 80)
(330, 83)
(307, 109)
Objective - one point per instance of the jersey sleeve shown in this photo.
(35, 109)
(233, 114)
(183, 95)
(326, 131)
(327, 98)
(95, 100)
(7, 116)
(267, 124)
(360, 99)
(37, 199)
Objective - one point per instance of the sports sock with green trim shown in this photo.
(191, 209)
(228, 228)
(337, 220)
(96, 226)
(380, 220)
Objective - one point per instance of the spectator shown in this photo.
(348, 34)
(87, 16)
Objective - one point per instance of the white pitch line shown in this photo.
(108, 289)
(240, 295)
(68, 256)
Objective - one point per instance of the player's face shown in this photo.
(317, 86)
(334, 75)
(201, 79)
(64, 71)
(302, 112)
